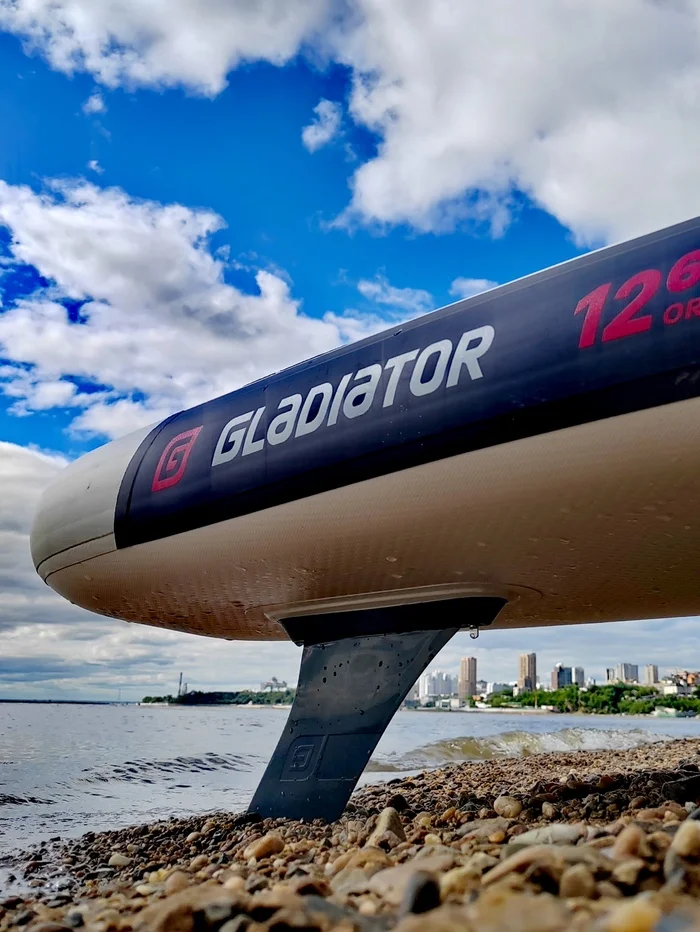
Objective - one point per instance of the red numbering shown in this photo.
(641, 288)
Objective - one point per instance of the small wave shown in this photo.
(513, 744)
(7, 800)
(149, 771)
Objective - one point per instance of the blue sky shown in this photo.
(189, 202)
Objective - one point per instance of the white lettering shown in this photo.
(231, 436)
(308, 414)
(418, 387)
(396, 364)
(282, 425)
(467, 355)
(366, 391)
(338, 400)
(251, 445)
(322, 392)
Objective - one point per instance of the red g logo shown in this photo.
(173, 461)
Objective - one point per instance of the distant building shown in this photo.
(481, 687)
(436, 685)
(678, 689)
(651, 674)
(466, 684)
(561, 676)
(492, 689)
(685, 678)
(626, 673)
(527, 672)
(610, 675)
(579, 676)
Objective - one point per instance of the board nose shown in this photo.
(75, 516)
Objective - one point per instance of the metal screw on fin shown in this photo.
(474, 633)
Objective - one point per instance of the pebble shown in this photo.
(508, 807)
(577, 881)
(638, 915)
(627, 872)
(177, 881)
(264, 847)
(118, 860)
(629, 843)
(388, 821)
(555, 834)
(686, 841)
(422, 893)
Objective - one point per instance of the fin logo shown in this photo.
(173, 460)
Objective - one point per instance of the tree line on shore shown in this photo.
(239, 697)
(609, 699)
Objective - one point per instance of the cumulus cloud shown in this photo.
(589, 109)
(324, 127)
(159, 327)
(194, 44)
(468, 287)
(407, 300)
(95, 104)
(23, 473)
(95, 166)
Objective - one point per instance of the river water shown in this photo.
(67, 769)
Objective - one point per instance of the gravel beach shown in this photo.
(604, 840)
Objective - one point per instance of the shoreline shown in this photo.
(448, 850)
(497, 711)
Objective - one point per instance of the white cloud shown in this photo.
(162, 329)
(468, 287)
(409, 300)
(590, 109)
(95, 166)
(324, 127)
(193, 42)
(95, 104)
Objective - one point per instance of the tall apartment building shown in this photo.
(626, 673)
(467, 677)
(579, 676)
(561, 676)
(651, 674)
(437, 684)
(527, 672)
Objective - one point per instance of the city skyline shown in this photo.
(465, 684)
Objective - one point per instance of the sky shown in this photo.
(194, 195)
